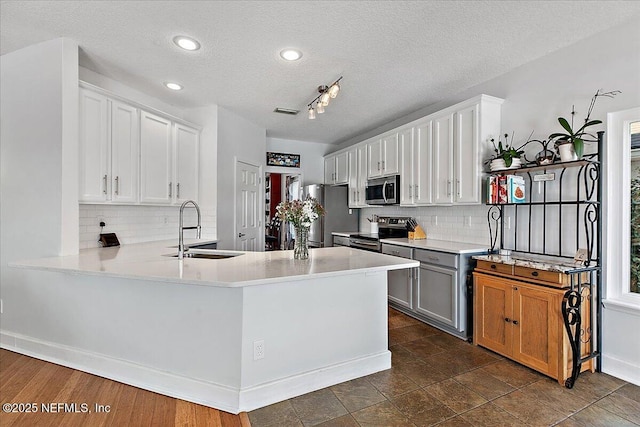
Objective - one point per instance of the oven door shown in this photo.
(365, 244)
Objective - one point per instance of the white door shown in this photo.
(248, 224)
(124, 153)
(186, 179)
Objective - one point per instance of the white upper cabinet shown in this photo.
(466, 154)
(124, 153)
(187, 143)
(439, 157)
(443, 159)
(108, 150)
(336, 169)
(415, 165)
(94, 147)
(357, 176)
(383, 156)
(156, 149)
(129, 155)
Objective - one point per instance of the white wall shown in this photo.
(238, 139)
(311, 158)
(39, 188)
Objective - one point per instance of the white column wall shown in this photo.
(39, 158)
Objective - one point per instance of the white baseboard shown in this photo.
(621, 369)
(276, 391)
(217, 396)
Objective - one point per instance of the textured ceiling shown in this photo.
(396, 56)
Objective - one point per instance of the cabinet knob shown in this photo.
(506, 319)
(493, 266)
(515, 322)
(534, 273)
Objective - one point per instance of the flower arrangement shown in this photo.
(300, 213)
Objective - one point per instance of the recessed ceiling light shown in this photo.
(290, 54)
(187, 43)
(173, 86)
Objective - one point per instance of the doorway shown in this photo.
(279, 187)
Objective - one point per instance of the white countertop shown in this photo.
(147, 261)
(558, 265)
(439, 245)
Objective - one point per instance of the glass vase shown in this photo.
(301, 246)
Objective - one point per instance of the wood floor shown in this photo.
(31, 381)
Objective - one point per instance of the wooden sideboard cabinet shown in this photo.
(523, 321)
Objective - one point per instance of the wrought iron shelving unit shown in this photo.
(573, 220)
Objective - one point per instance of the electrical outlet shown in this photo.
(258, 350)
(467, 221)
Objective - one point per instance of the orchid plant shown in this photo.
(300, 213)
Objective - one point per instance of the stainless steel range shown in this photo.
(388, 227)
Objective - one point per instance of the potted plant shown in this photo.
(570, 144)
(505, 157)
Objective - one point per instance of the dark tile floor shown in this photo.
(437, 379)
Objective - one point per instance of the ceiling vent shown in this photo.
(288, 111)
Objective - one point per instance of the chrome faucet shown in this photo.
(181, 228)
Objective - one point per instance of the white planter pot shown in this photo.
(567, 153)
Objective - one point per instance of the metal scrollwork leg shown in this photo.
(493, 217)
(571, 314)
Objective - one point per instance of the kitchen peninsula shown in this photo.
(236, 334)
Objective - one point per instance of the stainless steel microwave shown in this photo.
(383, 191)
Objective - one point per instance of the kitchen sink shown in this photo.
(204, 255)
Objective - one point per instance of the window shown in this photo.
(634, 259)
(621, 169)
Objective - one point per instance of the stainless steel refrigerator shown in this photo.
(338, 217)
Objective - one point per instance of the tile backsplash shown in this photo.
(452, 223)
(134, 224)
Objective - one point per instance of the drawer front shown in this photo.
(532, 273)
(340, 241)
(394, 250)
(495, 266)
(436, 258)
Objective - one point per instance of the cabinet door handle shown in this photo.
(493, 266)
(506, 319)
(117, 184)
(515, 322)
(458, 187)
(383, 165)
(378, 166)
(177, 190)
(104, 182)
(534, 273)
(448, 187)
(410, 190)
(170, 189)
(415, 191)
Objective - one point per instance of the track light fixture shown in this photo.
(327, 93)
